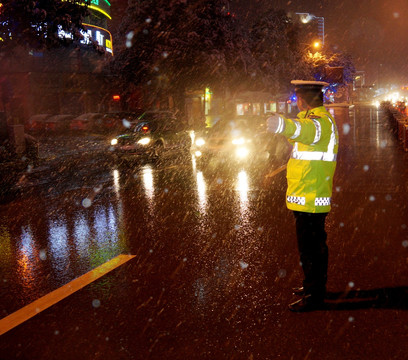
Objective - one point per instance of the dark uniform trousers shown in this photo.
(313, 251)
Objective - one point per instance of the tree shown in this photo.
(35, 24)
(318, 62)
(179, 45)
(276, 50)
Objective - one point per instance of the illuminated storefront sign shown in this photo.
(102, 36)
(92, 33)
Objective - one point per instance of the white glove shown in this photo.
(275, 123)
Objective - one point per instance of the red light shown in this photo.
(116, 97)
(145, 128)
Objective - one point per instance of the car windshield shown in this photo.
(156, 115)
(232, 128)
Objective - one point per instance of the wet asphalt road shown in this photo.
(214, 258)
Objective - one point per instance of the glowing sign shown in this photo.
(102, 36)
(103, 6)
(92, 34)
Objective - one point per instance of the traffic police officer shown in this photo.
(310, 172)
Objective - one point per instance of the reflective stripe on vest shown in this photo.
(300, 200)
(297, 131)
(322, 201)
(329, 155)
(281, 126)
(318, 131)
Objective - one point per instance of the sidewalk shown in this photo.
(55, 154)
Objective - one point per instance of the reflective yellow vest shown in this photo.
(310, 169)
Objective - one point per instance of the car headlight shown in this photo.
(242, 152)
(114, 142)
(239, 141)
(144, 141)
(200, 142)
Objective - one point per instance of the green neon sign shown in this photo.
(96, 2)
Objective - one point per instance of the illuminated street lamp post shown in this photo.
(306, 18)
(317, 45)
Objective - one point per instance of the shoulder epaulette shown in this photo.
(314, 116)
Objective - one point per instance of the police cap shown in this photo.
(307, 85)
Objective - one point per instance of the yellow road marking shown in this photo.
(277, 171)
(27, 312)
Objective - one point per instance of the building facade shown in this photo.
(68, 80)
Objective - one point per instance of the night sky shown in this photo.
(374, 32)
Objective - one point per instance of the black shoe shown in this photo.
(307, 303)
(299, 291)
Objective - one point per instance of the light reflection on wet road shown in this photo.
(51, 240)
(212, 243)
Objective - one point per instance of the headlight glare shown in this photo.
(239, 141)
(114, 142)
(242, 152)
(200, 142)
(144, 141)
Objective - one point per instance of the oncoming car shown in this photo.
(238, 140)
(151, 139)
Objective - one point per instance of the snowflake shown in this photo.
(243, 264)
(346, 129)
(86, 202)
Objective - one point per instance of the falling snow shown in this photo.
(282, 273)
(243, 265)
(126, 123)
(84, 215)
(86, 202)
(43, 254)
(346, 129)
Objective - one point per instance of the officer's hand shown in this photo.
(273, 123)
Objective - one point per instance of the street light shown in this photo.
(306, 18)
(317, 44)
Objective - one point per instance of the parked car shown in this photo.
(58, 123)
(239, 140)
(151, 137)
(36, 123)
(85, 122)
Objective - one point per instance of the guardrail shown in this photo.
(398, 123)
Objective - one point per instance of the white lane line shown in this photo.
(27, 312)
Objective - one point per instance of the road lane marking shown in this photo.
(27, 312)
(277, 171)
